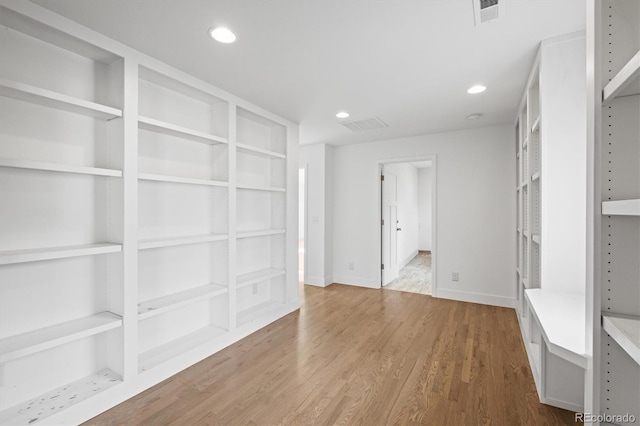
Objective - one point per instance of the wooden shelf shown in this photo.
(259, 152)
(258, 276)
(174, 301)
(625, 83)
(57, 400)
(55, 167)
(260, 233)
(535, 177)
(48, 98)
(174, 179)
(170, 350)
(626, 332)
(32, 255)
(561, 317)
(255, 312)
(621, 207)
(180, 241)
(536, 125)
(169, 129)
(261, 188)
(24, 344)
(535, 238)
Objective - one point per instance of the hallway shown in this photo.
(415, 277)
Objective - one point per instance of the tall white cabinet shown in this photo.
(550, 236)
(614, 32)
(147, 219)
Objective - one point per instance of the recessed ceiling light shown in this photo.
(223, 35)
(476, 89)
(342, 114)
(473, 117)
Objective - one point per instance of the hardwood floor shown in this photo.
(358, 356)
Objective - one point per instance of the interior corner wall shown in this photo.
(314, 158)
(328, 214)
(407, 210)
(424, 209)
(475, 204)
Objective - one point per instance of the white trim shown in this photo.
(356, 281)
(483, 299)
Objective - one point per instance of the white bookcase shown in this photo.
(147, 219)
(551, 297)
(616, 86)
(261, 181)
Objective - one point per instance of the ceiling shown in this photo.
(407, 62)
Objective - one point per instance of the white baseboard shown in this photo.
(484, 299)
(356, 281)
(318, 281)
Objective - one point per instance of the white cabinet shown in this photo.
(615, 34)
(145, 219)
(550, 235)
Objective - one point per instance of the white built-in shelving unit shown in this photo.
(615, 336)
(550, 299)
(145, 219)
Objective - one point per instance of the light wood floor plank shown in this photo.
(358, 356)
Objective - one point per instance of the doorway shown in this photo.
(407, 225)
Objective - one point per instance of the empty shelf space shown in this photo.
(260, 233)
(178, 300)
(535, 238)
(259, 152)
(535, 176)
(174, 179)
(170, 350)
(626, 82)
(49, 253)
(626, 332)
(24, 344)
(561, 317)
(621, 207)
(261, 188)
(169, 129)
(55, 167)
(50, 403)
(536, 125)
(255, 312)
(180, 241)
(48, 98)
(258, 276)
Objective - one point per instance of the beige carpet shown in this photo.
(415, 277)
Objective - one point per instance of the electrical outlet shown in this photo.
(351, 266)
(455, 276)
(254, 289)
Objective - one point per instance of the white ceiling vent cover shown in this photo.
(366, 124)
(487, 10)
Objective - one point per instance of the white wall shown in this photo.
(424, 209)
(407, 198)
(475, 201)
(318, 239)
(301, 201)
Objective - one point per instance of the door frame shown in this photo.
(305, 169)
(434, 197)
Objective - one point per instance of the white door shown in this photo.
(389, 228)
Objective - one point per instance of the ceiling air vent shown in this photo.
(366, 124)
(487, 10)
